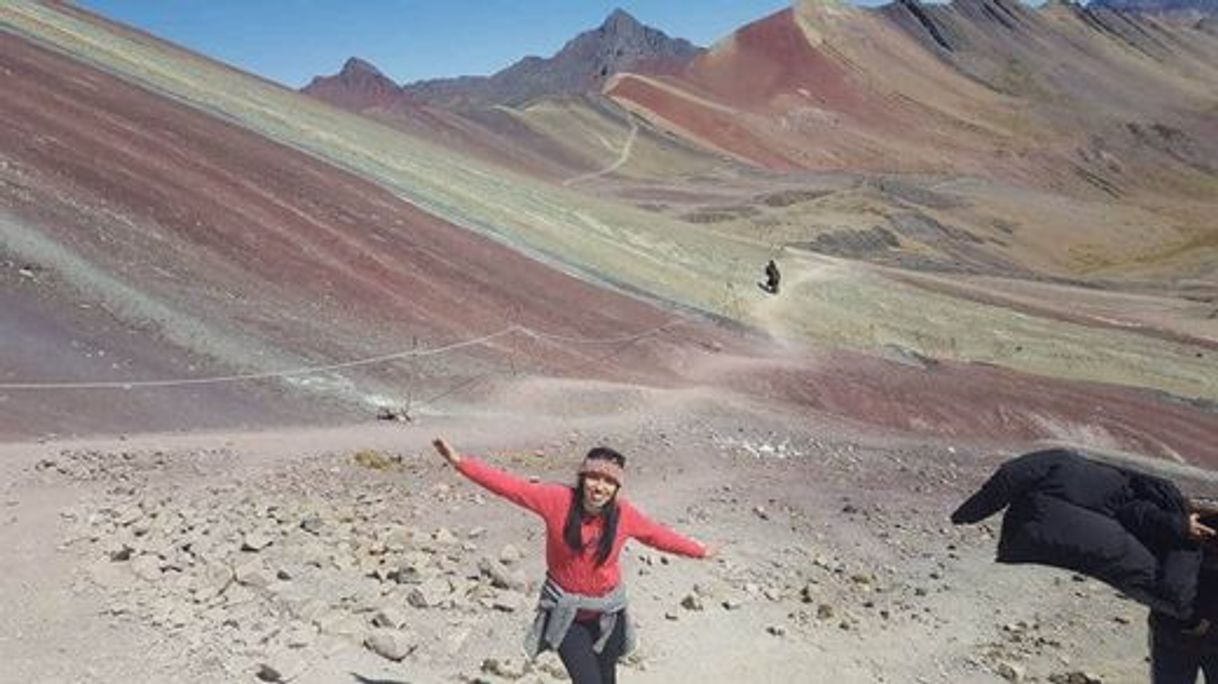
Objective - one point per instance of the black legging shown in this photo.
(586, 666)
(1176, 664)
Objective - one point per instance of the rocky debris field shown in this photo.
(381, 564)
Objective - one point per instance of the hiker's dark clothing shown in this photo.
(1179, 649)
(584, 663)
(1119, 526)
(1169, 665)
(772, 276)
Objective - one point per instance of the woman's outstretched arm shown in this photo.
(657, 536)
(536, 497)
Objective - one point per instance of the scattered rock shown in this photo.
(147, 568)
(390, 643)
(253, 573)
(391, 617)
(398, 539)
(312, 524)
(509, 554)
(691, 602)
(121, 553)
(300, 635)
(500, 576)
(211, 581)
(429, 594)
(256, 541)
(808, 593)
(1010, 671)
(413, 569)
(1075, 677)
(508, 668)
(508, 602)
(341, 624)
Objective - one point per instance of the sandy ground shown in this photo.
(214, 556)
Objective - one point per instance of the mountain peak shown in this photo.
(620, 20)
(583, 65)
(357, 87)
(355, 65)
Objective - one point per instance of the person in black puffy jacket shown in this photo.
(1131, 530)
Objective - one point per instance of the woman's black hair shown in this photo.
(570, 531)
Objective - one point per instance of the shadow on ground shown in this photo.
(364, 680)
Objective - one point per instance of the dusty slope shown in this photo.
(1060, 109)
(637, 249)
(602, 240)
(1078, 107)
(184, 247)
(558, 139)
(978, 86)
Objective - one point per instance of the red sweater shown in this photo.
(577, 572)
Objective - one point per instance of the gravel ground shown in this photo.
(353, 554)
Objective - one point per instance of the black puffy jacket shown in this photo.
(1119, 526)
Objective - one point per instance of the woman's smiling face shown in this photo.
(598, 491)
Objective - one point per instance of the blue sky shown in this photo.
(290, 41)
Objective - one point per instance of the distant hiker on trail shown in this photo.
(1133, 531)
(582, 611)
(772, 277)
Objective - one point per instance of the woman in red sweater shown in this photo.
(582, 609)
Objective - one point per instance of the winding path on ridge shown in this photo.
(617, 163)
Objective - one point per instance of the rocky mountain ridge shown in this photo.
(620, 43)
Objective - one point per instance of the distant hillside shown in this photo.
(357, 87)
(980, 187)
(620, 44)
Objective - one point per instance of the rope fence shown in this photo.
(368, 361)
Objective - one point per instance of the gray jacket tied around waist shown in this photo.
(556, 610)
